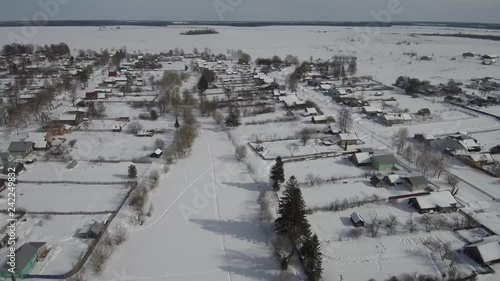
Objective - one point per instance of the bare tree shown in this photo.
(292, 148)
(426, 219)
(120, 234)
(368, 172)
(452, 180)
(374, 226)
(241, 152)
(283, 250)
(437, 246)
(410, 223)
(305, 135)
(345, 120)
(100, 256)
(391, 223)
(399, 139)
(134, 127)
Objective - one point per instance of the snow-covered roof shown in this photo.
(468, 143)
(393, 179)
(276, 92)
(441, 199)
(363, 157)
(348, 137)
(67, 117)
(482, 157)
(101, 95)
(325, 86)
(158, 151)
(38, 139)
(372, 109)
(489, 248)
(311, 110)
(398, 116)
(356, 218)
(319, 118)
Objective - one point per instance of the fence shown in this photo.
(78, 182)
(91, 248)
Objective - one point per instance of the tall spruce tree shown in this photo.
(312, 258)
(277, 174)
(132, 171)
(292, 220)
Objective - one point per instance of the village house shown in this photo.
(91, 230)
(319, 119)
(371, 111)
(157, 153)
(392, 180)
(27, 257)
(424, 138)
(376, 181)
(477, 160)
(415, 183)
(391, 119)
(485, 252)
(361, 159)
(41, 141)
(21, 148)
(441, 201)
(348, 139)
(424, 112)
(383, 162)
(357, 220)
(310, 111)
(66, 119)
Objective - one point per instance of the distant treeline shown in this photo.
(200, 31)
(255, 23)
(462, 35)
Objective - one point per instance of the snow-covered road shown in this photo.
(204, 225)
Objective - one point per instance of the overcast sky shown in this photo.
(255, 10)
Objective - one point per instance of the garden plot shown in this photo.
(83, 171)
(338, 167)
(114, 145)
(361, 189)
(291, 148)
(120, 109)
(99, 124)
(379, 257)
(67, 197)
(476, 177)
(59, 234)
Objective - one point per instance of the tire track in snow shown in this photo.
(217, 209)
(177, 199)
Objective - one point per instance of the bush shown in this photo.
(355, 233)
(154, 179)
(72, 142)
(120, 234)
(153, 115)
(159, 143)
(241, 152)
(134, 127)
(100, 256)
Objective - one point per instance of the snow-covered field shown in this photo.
(84, 172)
(380, 56)
(204, 224)
(58, 232)
(66, 197)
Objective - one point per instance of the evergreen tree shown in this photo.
(186, 67)
(203, 84)
(342, 71)
(233, 119)
(312, 258)
(292, 218)
(177, 125)
(277, 174)
(352, 68)
(132, 171)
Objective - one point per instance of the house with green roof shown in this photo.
(383, 162)
(26, 258)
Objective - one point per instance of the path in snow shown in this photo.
(204, 224)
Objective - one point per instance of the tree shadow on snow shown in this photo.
(244, 230)
(121, 176)
(250, 186)
(257, 268)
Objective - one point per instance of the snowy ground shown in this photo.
(84, 171)
(58, 232)
(205, 222)
(66, 197)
